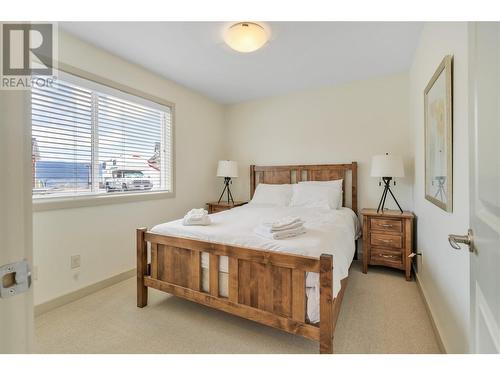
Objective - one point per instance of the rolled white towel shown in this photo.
(197, 216)
(264, 232)
(282, 223)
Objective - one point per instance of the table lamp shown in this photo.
(387, 167)
(227, 169)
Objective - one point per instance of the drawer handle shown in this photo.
(387, 241)
(387, 256)
(386, 225)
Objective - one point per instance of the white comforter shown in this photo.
(328, 231)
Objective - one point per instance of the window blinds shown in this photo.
(62, 139)
(87, 141)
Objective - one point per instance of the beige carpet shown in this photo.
(381, 313)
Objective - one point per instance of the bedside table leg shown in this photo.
(408, 273)
(365, 242)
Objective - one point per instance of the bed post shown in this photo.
(252, 180)
(326, 304)
(354, 198)
(354, 191)
(142, 266)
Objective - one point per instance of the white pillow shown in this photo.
(273, 194)
(315, 196)
(337, 184)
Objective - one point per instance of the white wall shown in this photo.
(351, 122)
(104, 235)
(442, 271)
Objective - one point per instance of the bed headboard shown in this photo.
(291, 174)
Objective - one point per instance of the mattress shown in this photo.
(327, 231)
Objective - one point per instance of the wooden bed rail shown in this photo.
(305, 263)
(263, 286)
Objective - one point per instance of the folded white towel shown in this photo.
(205, 220)
(197, 212)
(197, 216)
(264, 232)
(282, 223)
(294, 225)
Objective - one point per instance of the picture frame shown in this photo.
(438, 118)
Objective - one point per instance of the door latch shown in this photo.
(15, 278)
(468, 239)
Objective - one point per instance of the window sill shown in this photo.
(49, 204)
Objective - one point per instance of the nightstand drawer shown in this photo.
(386, 256)
(215, 209)
(386, 225)
(386, 240)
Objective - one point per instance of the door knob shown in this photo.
(455, 239)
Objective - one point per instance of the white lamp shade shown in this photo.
(246, 36)
(227, 168)
(387, 166)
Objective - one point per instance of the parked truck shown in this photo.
(127, 180)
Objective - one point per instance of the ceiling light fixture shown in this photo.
(246, 36)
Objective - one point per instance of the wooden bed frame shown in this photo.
(264, 286)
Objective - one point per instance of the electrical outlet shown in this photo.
(75, 261)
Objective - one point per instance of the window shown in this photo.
(90, 139)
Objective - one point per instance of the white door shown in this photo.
(484, 104)
(16, 310)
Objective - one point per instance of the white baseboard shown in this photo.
(80, 293)
(429, 312)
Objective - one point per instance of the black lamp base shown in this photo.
(227, 181)
(387, 188)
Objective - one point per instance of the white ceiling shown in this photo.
(300, 55)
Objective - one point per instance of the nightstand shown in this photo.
(214, 207)
(388, 239)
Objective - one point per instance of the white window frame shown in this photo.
(105, 86)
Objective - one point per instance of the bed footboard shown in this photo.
(263, 286)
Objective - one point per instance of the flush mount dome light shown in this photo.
(245, 36)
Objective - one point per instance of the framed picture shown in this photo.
(439, 137)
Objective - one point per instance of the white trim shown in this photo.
(89, 84)
(83, 292)
(47, 204)
(90, 81)
(165, 182)
(434, 324)
(95, 143)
